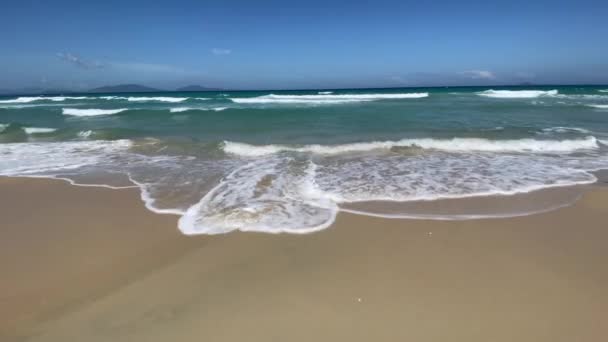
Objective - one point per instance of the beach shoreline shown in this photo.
(94, 264)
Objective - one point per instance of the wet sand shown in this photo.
(90, 264)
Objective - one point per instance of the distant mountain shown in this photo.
(125, 88)
(197, 88)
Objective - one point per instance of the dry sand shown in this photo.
(87, 264)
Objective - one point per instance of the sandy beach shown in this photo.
(92, 264)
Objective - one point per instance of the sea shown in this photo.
(290, 161)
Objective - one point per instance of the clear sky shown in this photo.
(301, 44)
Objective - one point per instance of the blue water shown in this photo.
(289, 161)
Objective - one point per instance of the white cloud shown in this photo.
(479, 74)
(220, 51)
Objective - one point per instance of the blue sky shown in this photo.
(304, 44)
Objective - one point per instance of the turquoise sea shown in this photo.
(289, 161)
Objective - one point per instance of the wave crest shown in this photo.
(450, 145)
(157, 99)
(38, 130)
(91, 112)
(28, 99)
(326, 98)
(517, 94)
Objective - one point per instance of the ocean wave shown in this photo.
(325, 92)
(517, 94)
(157, 99)
(28, 99)
(185, 109)
(451, 145)
(288, 204)
(278, 193)
(38, 130)
(325, 99)
(92, 112)
(598, 106)
(603, 90)
(85, 134)
(565, 130)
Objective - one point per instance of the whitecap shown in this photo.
(157, 99)
(325, 99)
(517, 94)
(452, 145)
(85, 134)
(180, 109)
(38, 130)
(28, 99)
(92, 112)
(560, 129)
(598, 106)
(184, 109)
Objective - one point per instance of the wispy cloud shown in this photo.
(79, 62)
(220, 51)
(479, 74)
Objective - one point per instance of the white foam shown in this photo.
(91, 112)
(446, 176)
(517, 94)
(38, 130)
(603, 90)
(28, 99)
(277, 193)
(185, 109)
(260, 197)
(598, 106)
(180, 109)
(452, 145)
(325, 92)
(3, 127)
(85, 134)
(157, 99)
(325, 99)
(39, 158)
(565, 130)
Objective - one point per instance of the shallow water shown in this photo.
(289, 161)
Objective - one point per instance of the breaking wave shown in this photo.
(28, 99)
(452, 145)
(185, 109)
(517, 94)
(92, 112)
(38, 130)
(326, 98)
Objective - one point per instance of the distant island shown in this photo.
(197, 88)
(125, 88)
(137, 88)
